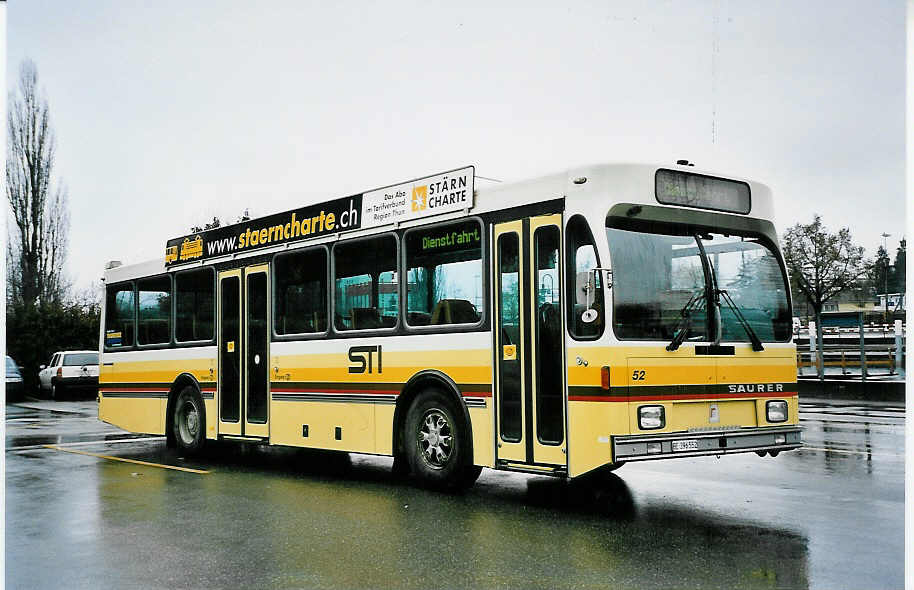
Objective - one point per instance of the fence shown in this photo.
(852, 359)
(878, 351)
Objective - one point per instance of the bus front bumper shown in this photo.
(646, 447)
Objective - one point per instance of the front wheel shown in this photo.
(189, 420)
(437, 443)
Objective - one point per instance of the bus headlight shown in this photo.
(651, 417)
(776, 411)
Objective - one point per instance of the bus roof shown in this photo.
(590, 190)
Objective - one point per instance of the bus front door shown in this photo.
(243, 382)
(529, 343)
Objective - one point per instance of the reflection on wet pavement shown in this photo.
(272, 517)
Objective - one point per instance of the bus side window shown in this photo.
(301, 292)
(195, 306)
(154, 310)
(444, 274)
(366, 289)
(582, 259)
(120, 317)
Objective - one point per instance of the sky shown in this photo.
(168, 113)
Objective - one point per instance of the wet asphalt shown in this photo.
(828, 516)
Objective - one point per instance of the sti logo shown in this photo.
(420, 197)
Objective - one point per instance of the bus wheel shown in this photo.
(435, 445)
(189, 420)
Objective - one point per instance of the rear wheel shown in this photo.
(57, 391)
(437, 443)
(189, 420)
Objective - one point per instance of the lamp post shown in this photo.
(885, 248)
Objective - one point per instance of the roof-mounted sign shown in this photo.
(423, 197)
(686, 189)
(432, 195)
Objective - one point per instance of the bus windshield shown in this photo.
(655, 275)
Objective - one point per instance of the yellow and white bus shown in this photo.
(578, 321)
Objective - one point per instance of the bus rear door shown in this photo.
(243, 382)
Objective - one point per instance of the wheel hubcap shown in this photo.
(435, 439)
(189, 422)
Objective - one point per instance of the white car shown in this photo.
(69, 370)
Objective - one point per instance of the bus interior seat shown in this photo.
(418, 318)
(640, 320)
(511, 333)
(365, 318)
(296, 325)
(454, 311)
(154, 331)
(550, 320)
(319, 321)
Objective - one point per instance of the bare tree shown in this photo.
(822, 265)
(38, 235)
(216, 222)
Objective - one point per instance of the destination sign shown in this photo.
(674, 187)
(423, 197)
(441, 239)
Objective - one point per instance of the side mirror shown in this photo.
(593, 283)
(42, 367)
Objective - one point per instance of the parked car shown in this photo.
(14, 387)
(69, 370)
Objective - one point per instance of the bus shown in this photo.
(570, 323)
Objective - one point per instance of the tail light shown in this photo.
(60, 371)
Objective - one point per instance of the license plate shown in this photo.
(685, 445)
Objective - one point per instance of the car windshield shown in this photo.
(11, 366)
(82, 358)
(655, 275)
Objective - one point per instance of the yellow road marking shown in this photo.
(109, 457)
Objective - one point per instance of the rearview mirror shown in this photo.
(593, 283)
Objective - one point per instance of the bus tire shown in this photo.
(189, 423)
(437, 447)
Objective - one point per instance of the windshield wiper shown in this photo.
(685, 318)
(753, 337)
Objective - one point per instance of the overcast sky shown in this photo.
(168, 113)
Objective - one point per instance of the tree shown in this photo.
(196, 229)
(216, 222)
(37, 247)
(41, 314)
(42, 329)
(822, 265)
(880, 273)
